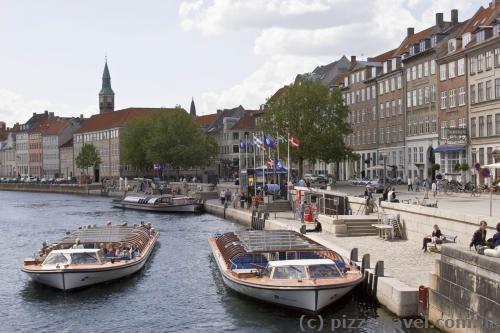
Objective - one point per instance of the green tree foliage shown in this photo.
(88, 157)
(317, 117)
(167, 138)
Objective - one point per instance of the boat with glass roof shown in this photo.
(283, 267)
(92, 255)
(163, 203)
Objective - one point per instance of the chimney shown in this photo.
(81, 115)
(34, 113)
(353, 59)
(494, 3)
(454, 16)
(46, 112)
(439, 19)
(51, 114)
(410, 31)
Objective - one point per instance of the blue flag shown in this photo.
(269, 141)
(243, 145)
(278, 165)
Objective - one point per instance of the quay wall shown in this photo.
(53, 188)
(465, 290)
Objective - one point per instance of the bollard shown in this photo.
(354, 254)
(369, 283)
(379, 271)
(365, 262)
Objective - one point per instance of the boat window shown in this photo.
(323, 271)
(55, 259)
(289, 272)
(84, 258)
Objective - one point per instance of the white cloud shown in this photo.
(294, 35)
(15, 107)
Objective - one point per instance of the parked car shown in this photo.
(377, 185)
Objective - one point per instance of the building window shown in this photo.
(393, 83)
(393, 109)
(472, 93)
(461, 123)
(461, 96)
(451, 70)
(489, 55)
(489, 155)
(399, 82)
(400, 106)
(426, 68)
(415, 156)
(381, 110)
(408, 75)
(497, 124)
(496, 59)
(368, 97)
(480, 37)
(419, 71)
(481, 126)
(387, 86)
(387, 109)
(481, 156)
(480, 62)
(374, 112)
(466, 38)
(480, 92)
(489, 125)
(489, 90)
(444, 126)
(426, 95)
(472, 65)
(381, 88)
(452, 44)
(443, 100)
(421, 153)
(442, 72)
(414, 97)
(433, 93)
(451, 96)
(473, 127)
(460, 67)
(414, 73)
(408, 98)
(433, 67)
(420, 96)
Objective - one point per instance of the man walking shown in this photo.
(417, 184)
(410, 184)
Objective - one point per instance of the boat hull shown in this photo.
(305, 299)
(187, 208)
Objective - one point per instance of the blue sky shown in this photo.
(160, 53)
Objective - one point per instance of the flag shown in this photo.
(294, 142)
(278, 165)
(270, 163)
(280, 138)
(269, 142)
(258, 142)
(243, 145)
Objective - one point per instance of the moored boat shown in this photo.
(283, 267)
(92, 255)
(163, 203)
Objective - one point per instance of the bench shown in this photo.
(446, 239)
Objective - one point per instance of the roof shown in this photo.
(75, 251)
(67, 144)
(118, 118)
(413, 39)
(276, 240)
(384, 56)
(112, 234)
(55, 125)
(247, 122)
(206, 120)
(300, 262)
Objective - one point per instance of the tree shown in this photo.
(135, 141)
(167, 138)
(88, 157)
(317, 117)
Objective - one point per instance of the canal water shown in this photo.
(179, 290)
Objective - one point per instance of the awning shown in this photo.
(376, 167)
(492, 166)
(449, 148)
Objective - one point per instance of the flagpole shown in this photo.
(246, 153)
(263, 155)
(239, 164)
(254, 168)
(278, 149)
(288, 160)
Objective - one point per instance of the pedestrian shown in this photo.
(427, 187)
(417, 184)
(222, 197)
(227, 195)
(495, 245)
(479, 236)
(410, 184)
(434, 188)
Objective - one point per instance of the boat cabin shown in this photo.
(303, 269)
(159, 200)
(65, 257)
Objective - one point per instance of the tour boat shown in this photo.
(64, 266)
(163, 203)
(283, 267)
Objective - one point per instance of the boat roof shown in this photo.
(75, 251)
(136, 236)
(276, 240)
(300, 262)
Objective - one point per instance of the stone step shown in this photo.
(357, 234)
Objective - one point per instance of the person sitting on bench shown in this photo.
(495, 245)
(479, 236)
(436, 235)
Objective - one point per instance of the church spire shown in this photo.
(192, 109)
(106, 95)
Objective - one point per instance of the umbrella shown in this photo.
(492, 166)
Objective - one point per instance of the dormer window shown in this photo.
(480, 36)
(452, 45)
(422, 45)
(466, 38)
(374, 71)
(393, 64)
(346, 81)
(434, 40)
(385, 67)
(496, 30)
(414, 49)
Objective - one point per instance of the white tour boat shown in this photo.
(163, 203)
(78, 260)
(283, 267)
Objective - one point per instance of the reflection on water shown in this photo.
(179, 289)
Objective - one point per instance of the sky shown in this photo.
(162, 53)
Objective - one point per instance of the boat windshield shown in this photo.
(289, 272)
(323, 271)
(84, 258)
(56, 259)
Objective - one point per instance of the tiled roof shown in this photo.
(413, 39)
(384, 56)
(117, 118)
(206, 120)
(55, 125)
(247, 122)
